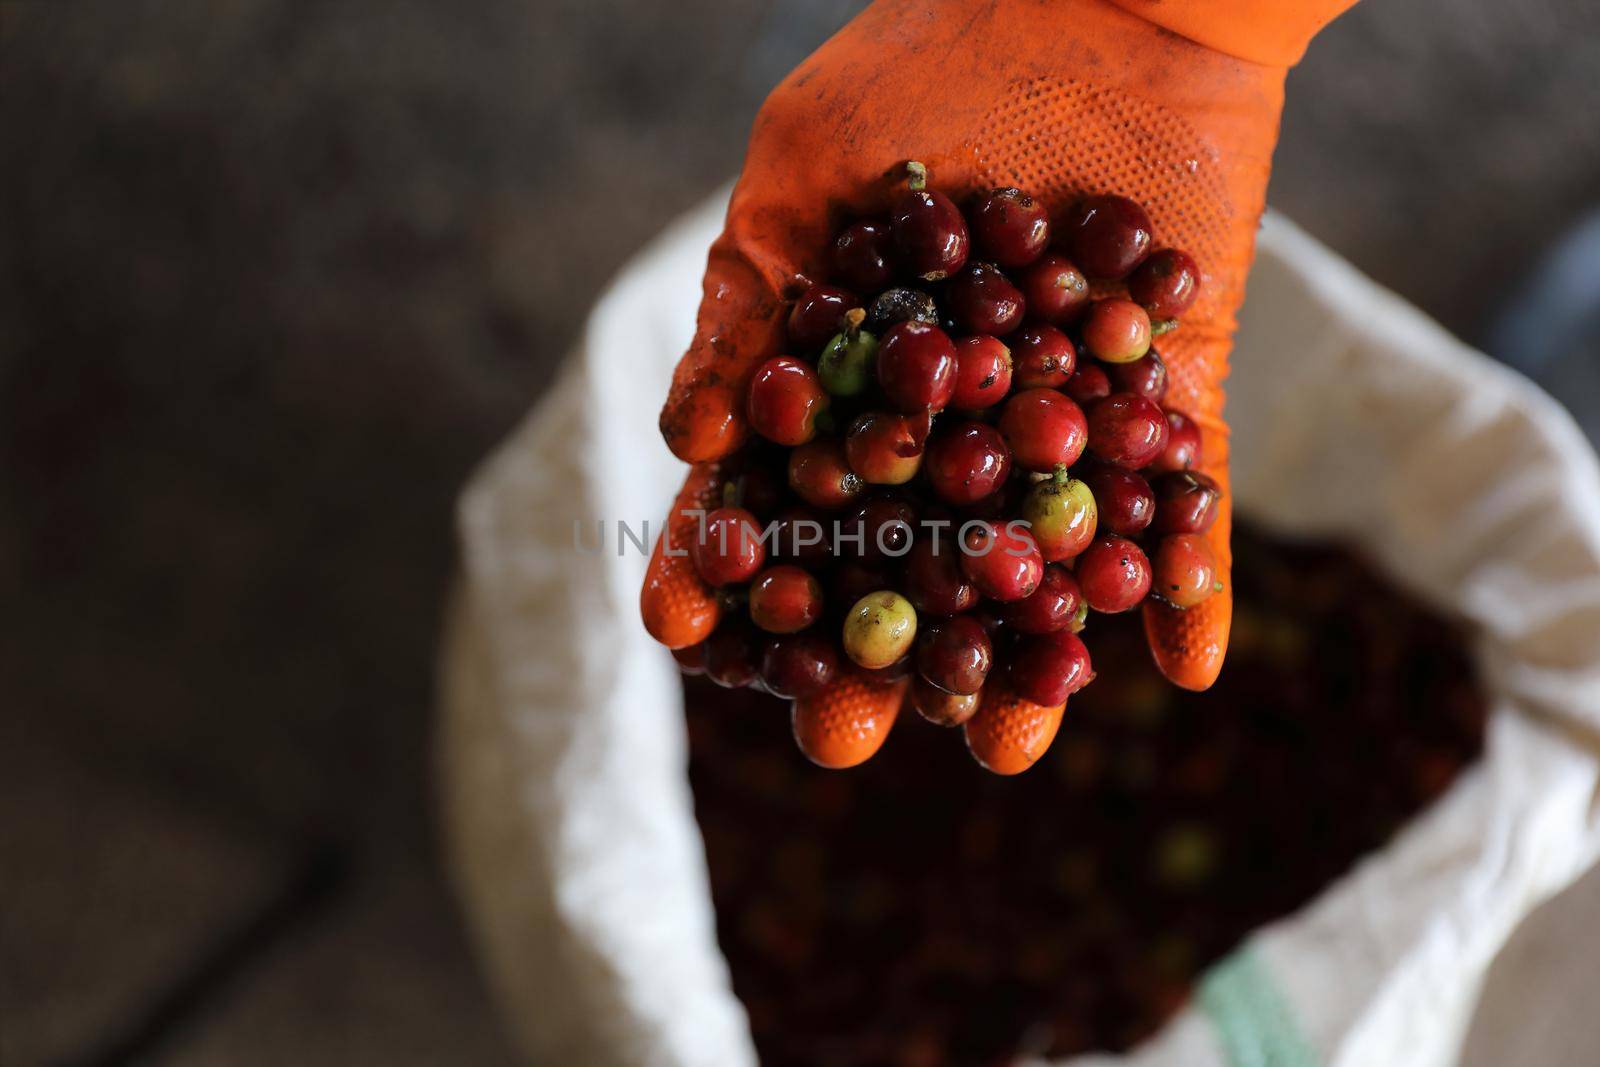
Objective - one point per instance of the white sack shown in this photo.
(569, 815)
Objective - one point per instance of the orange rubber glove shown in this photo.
(1172, 102)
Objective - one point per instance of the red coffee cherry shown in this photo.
(785, 599)
(983, 300)
(1113, 573)
(863, 255)
(729, 548)
(1183, 444)
(1002, 561)
(1049, 668)
(1185, 570)
(983, 373)
(1186, 502)
(886, 448)
(816, 316)
(784, 401)
(1010, 227)
(917, 367)
(1051, 607)
(930, 236)
(1044, 429)
(967, 463)
(1056, 290)
(1042, 357)
(1166, 284)
(1109, 236)
(1126, 429)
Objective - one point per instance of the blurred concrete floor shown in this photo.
(274, 274)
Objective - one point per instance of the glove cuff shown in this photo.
(1273, 33)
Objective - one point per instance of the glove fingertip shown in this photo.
(1009, 734)
(1189, 645)
(846, 724)
(676, 613)
(677, 607)
(703, 420)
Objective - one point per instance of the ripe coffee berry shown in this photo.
(917, 367)
(1116, 330)
(1183, 444)
(759, 489)
(800, 533)
(1146, 376)
(852, 579)
(1002, 561)
(1089, 382)
(885, 448)
(1126, 429)
(1113, 573)
(1010, 227)
(1049, 668)
(1042, 357)
(1126, 502)
(1050, 608)
(1062, 514)
(728, 548)
(880, 530)
(784, 401)
(1110, 236)
(1186, 502)
(817, 315)
(821, 476)
(930, 236)
(1044, 429)
(934, 581)
(983, 373)
(691, 660)
(1056, 290)
(1166, 284)
(983, 300)
(879, 629)
(785, 599)
(1184, 570)
(732, 655)
(999, 505)
(795, 666)
(863, 255)
(939, 707)
(967, 463)
(954, 654)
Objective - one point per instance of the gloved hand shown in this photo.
(1172, 102)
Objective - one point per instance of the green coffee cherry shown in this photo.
(879, 629)
(1062, 515)
(849, 360)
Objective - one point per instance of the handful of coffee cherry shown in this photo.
(962, 455)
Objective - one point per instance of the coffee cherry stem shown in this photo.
(852, 322)
(1161, 326)
(846, 365)
(1058, 477)
(916, 176)
(731, 495)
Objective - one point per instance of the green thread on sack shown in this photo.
(1254, 1024)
